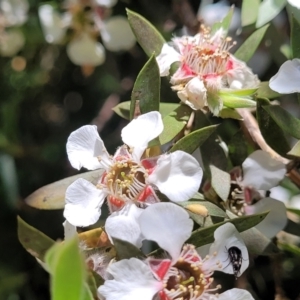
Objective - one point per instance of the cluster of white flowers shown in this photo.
(13, 13)
(88, 20)
(129, 181)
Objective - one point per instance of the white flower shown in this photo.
(294, 3)
(12, 41)
(206, 69)
(169, 226)
(116, 34)
(52, 24)
(85, 51)
(14, 12)
(260, 173)
(286, 81)
(127, 178)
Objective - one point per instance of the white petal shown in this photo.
(261, 171)
(286, 81)
(167, 56)
(83, 203)
(274, 221)
(124, 225)
(294, 3)
(69, 230)
(140, 131)
(236, 294)
(85, 51)
(133, 280)
(194, 94)
(168, 225)
(226, 236)
(106, 3)
(51, 23)
(83, 147)
(177, 175)
(117, 35)
(12, 41)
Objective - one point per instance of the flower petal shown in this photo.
(226, 237)
(83, 147)
(194, 94)
(168, 225)
(286, 81)
(140, 131)
(274, 221)
(167, 56)
(294, 3)
(69, 230)
(261, 171)
(124, 225)
(177, 175)
(133, 280)
(236, 294)
(83, 203)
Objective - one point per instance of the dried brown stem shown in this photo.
(251, 125)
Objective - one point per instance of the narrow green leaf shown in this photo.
(290, 248)
(68, 272)
(248, 48)
(203, 236)
(192, 141)
(292, 11)
(225, 23)
(229, 113)
(294, 211)
(52, 196)
(33, 240)
(268, 10)
(295, 41)
(174, 122)
(126, 250)
(249, 12)
(271, 132)
(232, 101)
(220, 182)
(237, 148)
(146, 89)
(241, 92)
(146, 34)
(264, 91)
(123, 109)
(284, 120)
(295, 151)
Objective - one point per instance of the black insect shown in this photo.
(235, 257)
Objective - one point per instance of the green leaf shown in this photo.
(268, 10)
(232, 101)
(295, 41)
(294, 211)
(264, 91)
(126, 250)
(284, 120)
(174, 122)
(68, 273)
(123, 109)
(225, 23)
(33, 240)
(247, 49)
(203, 236)
(271, 132)
(237, 148)
(146, 89)
(192, 141)
(295, 151)
(229, 113)
(146, 34)
(290, 248)
(52, 196)
(220, 182)
(249, 12)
